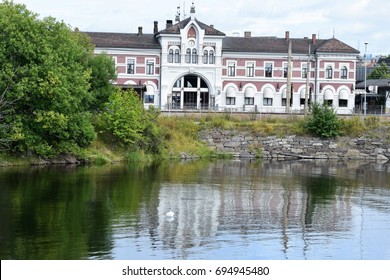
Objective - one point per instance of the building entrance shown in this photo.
(190, 92)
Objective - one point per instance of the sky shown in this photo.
(355, 22)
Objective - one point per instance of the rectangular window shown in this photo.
(130, 66)
(249, 100)
(268, 70)
(304, 71)
(250, 69)
(230, 101)
(149, 99)
(267, 101)
(284, 101)
(149, 67)
(231, 69)
(343, 103)
(285, 69)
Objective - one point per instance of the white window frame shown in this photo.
(150, 62)
(342, 67)
(304, 73)
(249, 101)
(326, 71)
(232, 101)
(231, 68)
(250, 68)
(285, 69)
(134, 65)
(269, 101)
(265, 69)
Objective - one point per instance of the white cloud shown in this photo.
(352, 20)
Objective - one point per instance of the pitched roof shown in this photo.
(280, 45)
(123, 40)
(175, 29)
(385, 83)
(335, 45)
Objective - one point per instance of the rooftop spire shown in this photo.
(177, 18)
(192, 8)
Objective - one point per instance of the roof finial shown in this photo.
(192, 8)
(177, 18)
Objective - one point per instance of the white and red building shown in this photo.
(192, 65)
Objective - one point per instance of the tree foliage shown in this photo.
(132, 125)
(102, 75)
(323, 122)
(50, 72)
(380, 72)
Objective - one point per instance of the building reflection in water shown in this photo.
(292, 203)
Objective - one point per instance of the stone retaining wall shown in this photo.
(247, 145)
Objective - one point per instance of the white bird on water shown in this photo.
(170, 214)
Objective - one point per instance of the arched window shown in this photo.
(177, 56)
(194, 56)
(170, 56)
(329, 72)
(188, 56)
(344, 73)
(211, 57)
(205, 57)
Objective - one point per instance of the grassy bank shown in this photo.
(179, 137)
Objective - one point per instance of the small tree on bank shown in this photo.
(323, 122)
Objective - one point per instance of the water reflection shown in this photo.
(223, 210)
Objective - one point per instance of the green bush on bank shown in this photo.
(323, 122)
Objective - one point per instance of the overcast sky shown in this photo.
(351, 21)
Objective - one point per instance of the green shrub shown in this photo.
(323, 122)
(352, 126)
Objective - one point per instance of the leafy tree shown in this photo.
(103, 72)
(380, 72)
(323, 122)
(124, 116)
(130, 123)
(46, 69)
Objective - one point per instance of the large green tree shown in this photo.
(46, 70)
(381, 71)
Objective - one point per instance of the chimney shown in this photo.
(139, 30)
(212, 25)
(287, 36)
(313, 39)
(169, 23)
(247, 34)
(155, 27)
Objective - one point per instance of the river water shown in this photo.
(240, 210)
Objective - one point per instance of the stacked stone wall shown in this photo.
(244, 144)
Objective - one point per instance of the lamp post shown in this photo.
(365, 80)
(387, 101)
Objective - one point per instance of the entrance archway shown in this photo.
(190, 92)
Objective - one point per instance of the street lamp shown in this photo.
(387, 101)
(365, 79)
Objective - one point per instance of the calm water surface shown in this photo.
(223, 210)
